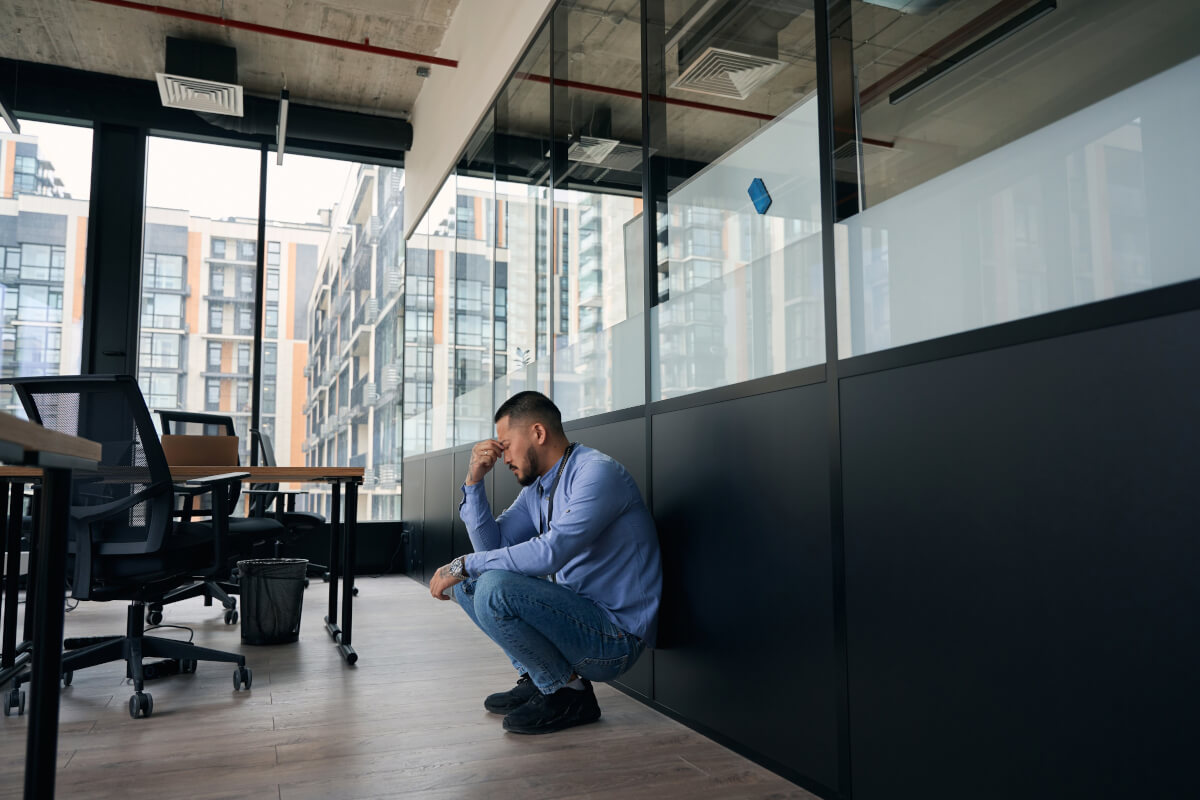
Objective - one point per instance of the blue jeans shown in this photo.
(547, 630)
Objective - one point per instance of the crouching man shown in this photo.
(579, 519)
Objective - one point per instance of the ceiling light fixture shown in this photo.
(281, 126)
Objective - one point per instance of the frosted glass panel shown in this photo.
(743, 289)
(1099, 204)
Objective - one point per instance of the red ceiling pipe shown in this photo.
(281, 32)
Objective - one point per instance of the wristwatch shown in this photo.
(458, 569)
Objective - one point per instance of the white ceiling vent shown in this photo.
(727, 73)
(196, 94)
(591, 149)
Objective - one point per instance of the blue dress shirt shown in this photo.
(601, 543)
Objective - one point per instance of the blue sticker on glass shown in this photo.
(759, 195)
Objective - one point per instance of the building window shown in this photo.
(160, 350)
(160, 271)
(247, 249)
(244, 323)
(214, 356)
(39, 304)
(218, 248)
(162, 310)
(243, 355)
(245, 284)
(272, 321)
(161, 388)
(216, 280)
(273, 254)
(212, 394)
(216, 317)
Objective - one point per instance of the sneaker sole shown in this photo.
(552, 728)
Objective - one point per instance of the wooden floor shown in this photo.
(407, 721)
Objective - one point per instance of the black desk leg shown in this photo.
(34, 545)
(12, 572)
(41, 751)
(350, 537)
(335, 546)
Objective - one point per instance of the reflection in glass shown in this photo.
(45, 178)
(1033, 176)
(739, 292)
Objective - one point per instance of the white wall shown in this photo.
(487, 38)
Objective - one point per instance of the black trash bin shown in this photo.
(272, 592)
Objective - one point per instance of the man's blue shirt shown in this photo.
(601, 543)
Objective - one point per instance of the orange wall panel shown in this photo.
(195, 279)
(288, 299)
(10, 164)
(78, 268)
(299, 395)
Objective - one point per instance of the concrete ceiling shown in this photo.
(86, 35)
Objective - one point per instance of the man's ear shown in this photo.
(539, 433)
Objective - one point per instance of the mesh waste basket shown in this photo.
(272, 592)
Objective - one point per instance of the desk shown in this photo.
(25, 443)
(341, 547)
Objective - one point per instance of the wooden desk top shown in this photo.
(20, 472)
(273, 474)
(31, 436)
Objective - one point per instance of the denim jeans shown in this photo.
(547, 630)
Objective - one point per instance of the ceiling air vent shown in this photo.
(195, 94)
(590, 149)
(727, 73)
(200, 76)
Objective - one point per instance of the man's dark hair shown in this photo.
(531, 407)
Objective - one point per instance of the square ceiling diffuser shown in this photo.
(197, 94)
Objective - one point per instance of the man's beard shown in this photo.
(534, 473)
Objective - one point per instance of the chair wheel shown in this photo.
(231, 616)
(188, 666)
(242, 678)
(325, 576)
(141, 704)
(14, 699)
(153, 617)
(356, 591)
(306, 583)
(68, 676)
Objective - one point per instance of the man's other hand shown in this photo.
(483, 457)
(441, 581)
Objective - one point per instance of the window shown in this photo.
(162, 310)
(243, 357)
(160, 351)
(216, 317)
(35, 262)
(218, 248)
(212, 394)
(39, 304)
(160, 271)
(245, 285)
(161, 389)
(247, 250)
(214, 356)
(216, 280)
(245, 324)
(273, 254)
(271, 321)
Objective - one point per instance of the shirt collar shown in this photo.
(544, 483)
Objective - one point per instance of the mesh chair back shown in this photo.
(109, 409)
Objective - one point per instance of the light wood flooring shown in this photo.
(406, 721)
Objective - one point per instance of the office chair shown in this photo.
(248, 531)
(124, 542)
(267, 499)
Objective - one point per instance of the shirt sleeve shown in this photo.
(594, 498)
(487, 532)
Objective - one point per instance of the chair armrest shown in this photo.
(89, 514)
(200, 485)
(219, 486)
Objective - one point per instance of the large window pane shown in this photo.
(329, 307)
(1033, 157)
(45, 178)
(738, 286)
(201, 222)
(598, 255)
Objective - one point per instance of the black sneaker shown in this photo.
(546, 713)
(514, 698)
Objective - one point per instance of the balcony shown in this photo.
(391, 378)
(369, 479)
(387, 476)
(370, 393)
(308, 370)
(374, 226)
(359, 460)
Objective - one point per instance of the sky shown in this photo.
(207, 180)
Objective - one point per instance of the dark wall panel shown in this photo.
(436, 541)
(460, 541)
(1021, 561)
(741, 496)
(413, 514)
(625, 442)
